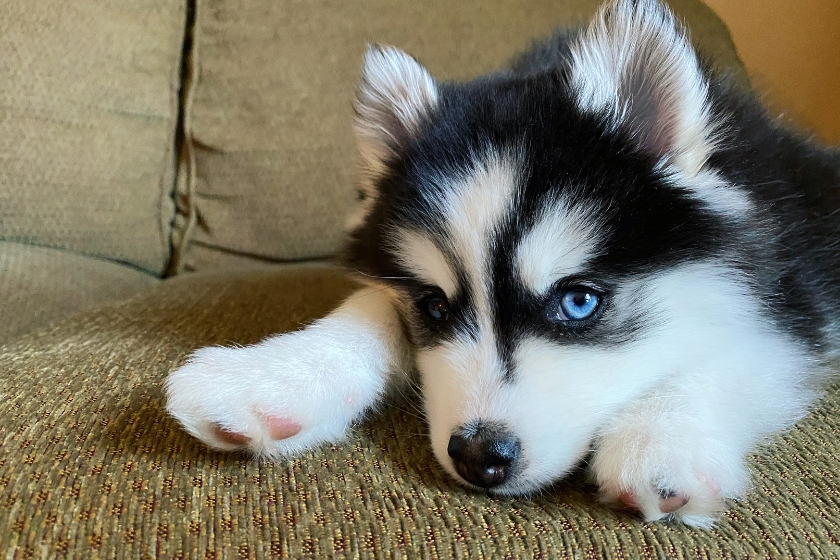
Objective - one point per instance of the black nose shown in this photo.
(483, 461)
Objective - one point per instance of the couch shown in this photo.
(175, 174)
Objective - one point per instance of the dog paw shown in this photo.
(277, 398)
(698, 506)
(662, 479)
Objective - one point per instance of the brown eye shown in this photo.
(436, 308)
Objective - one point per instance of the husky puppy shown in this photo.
(604, 249)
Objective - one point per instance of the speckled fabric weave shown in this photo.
(91, 467)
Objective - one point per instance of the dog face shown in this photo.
(551, 235)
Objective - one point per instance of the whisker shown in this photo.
(360, 273)
(366, 294)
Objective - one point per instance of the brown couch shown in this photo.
(209, 142)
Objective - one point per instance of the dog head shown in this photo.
(547, 233)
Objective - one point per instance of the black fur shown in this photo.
(790, 250)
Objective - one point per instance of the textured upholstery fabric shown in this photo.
(272, 162)
(39, 285)
(91, 467)
(88, 108)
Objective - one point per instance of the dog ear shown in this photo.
(394, 96)
(635, 67)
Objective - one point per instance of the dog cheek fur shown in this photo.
(725, 376)
(707, 365)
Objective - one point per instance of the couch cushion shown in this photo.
(270, 113)
(90, 466)
(88, 107)
(40, 285)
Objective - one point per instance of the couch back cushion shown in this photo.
(88, 110)
(270, 114)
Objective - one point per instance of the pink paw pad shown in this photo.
(627, 500)
(280, 427)
(232, 438)
(669, 502)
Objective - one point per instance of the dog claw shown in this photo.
(665, 494)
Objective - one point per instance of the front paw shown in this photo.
(664, 478)
(276, 399)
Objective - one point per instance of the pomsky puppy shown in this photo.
(605, 249)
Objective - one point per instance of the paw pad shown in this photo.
(670, 501)
(628, 500)
(281, 428)
(232, 438)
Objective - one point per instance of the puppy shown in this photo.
(605, 249)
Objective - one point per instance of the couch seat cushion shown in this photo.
(39, 285)
(91, 466)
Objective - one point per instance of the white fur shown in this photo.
(635, 66)
(462, 382)
(560, 244)
(323, 377)
(395, 94)
(634, 62)
(718, 194)
(474, 209)
(418, 253)
(677, 410)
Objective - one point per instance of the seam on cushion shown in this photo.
(185, 174)
(116, 262)
(330, 258)
(167, 183)
(28, 110)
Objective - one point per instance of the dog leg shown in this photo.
(293, 391)
(669, 460)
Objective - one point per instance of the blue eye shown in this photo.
(577, 304)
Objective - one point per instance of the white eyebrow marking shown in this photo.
(474, 209)
(560, 244)
(473, 204)
(419, 255)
